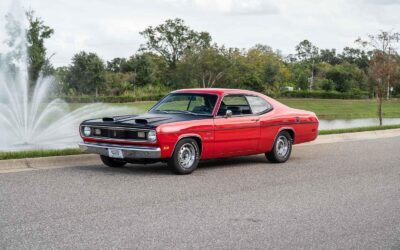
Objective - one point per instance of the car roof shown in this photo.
(221, 92)
(218, 91)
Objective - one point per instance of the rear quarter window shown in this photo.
(258, 105)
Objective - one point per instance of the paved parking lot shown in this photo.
(340, 195)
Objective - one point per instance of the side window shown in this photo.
(258, 104)
(236, 103)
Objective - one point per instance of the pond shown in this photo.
(355, 123)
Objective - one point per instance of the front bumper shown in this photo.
(129, 152)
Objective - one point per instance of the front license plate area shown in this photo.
(115, 153)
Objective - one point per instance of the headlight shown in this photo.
(87, 131)
(151, 135)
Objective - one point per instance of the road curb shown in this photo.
(49, 162)
(27, 164)
(357, 136)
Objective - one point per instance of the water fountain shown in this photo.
(31, 118)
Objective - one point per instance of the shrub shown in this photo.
(111, 99)
(325, 95)
(146, 93)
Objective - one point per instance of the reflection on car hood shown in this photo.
(148, 120)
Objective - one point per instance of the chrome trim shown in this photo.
(116, 128)
(129, 152)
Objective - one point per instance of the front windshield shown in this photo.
(191, 103)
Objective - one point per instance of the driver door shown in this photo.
(238, 134)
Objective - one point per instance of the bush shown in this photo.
(110, 99)
(327, 84)
(325, 95)
(145, 93)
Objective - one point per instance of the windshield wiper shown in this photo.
(180, 112)
(169, 111)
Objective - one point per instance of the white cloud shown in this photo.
(238, 7)
(111, 28)
(382, 2)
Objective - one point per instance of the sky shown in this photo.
(111, 28)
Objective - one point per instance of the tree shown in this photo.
(203, 67)
(300, 75)
(308, 53)
(172, 38)
(327, 84)
(355, 56)
(146, 68)
(116, 65)
(117, 82)
(86, 74)
(344, 77)
(381, 70)
(271, 71)
(36, 35)
(329, 56)
(383, 63)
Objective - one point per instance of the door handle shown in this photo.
(255, 120)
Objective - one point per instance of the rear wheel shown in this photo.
(185, 158)
(111, 162)
(282, 148)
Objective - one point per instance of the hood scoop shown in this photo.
(108, 119)
(141, 121)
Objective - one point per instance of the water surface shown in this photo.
(355, 123)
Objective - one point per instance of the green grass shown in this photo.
(360, 129)
(344, 109)
(39, 153)
(324, 108)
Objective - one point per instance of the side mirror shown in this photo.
(228, 113)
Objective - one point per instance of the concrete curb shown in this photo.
(357, 136)
(48, 162)
(27, 164)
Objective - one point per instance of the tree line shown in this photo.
(176, 56)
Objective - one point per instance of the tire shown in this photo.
(186, 157)
(111, 162)
(282, 148)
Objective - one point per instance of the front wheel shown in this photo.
(185, 158)
(282, 148)
(111, 162)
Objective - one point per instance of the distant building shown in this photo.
(287, 88)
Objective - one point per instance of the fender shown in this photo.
(287, 128)
(183, 136)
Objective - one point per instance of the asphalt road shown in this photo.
(331, 196)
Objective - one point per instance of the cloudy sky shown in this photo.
(111, 27)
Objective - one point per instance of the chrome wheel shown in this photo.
(186, 155)
(282, 146)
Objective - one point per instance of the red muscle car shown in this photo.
(190, 125)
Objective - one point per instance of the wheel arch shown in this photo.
(195, 137)
(291, 132)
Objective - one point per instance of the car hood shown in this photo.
(148, 120)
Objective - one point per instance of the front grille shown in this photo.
(118, 133)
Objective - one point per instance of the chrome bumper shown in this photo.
(129, 152)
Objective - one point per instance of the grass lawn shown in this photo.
(39, 153)
(345, 109)
(324, 108)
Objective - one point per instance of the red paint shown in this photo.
(234, 136)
